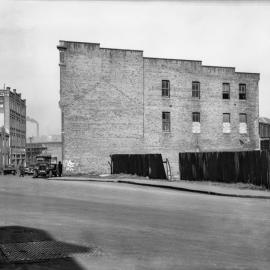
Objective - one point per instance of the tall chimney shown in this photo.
(37, 124)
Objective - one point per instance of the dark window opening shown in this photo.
(195, 89)
(196, 117)
(165, 88)
(226, 118)
(166, 121)
(242, 91)
(226, 91)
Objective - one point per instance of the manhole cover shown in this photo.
(36, 251)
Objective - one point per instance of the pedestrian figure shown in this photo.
(21, 169)
(60, 168)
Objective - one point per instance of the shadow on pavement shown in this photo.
(24, 248)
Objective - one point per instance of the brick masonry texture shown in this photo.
(54, 149)
(111, 103)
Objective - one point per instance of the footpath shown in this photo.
(210, 188)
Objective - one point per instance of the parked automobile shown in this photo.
(45, 166)
(29, 170)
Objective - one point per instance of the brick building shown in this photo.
(13, 119)
(4, 148)
(117, 101)
(264, 131)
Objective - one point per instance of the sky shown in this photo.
(218, 33)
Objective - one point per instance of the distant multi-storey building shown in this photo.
(13, 119)
(4, 148)
(49, 145)
(116, 101)
(33, 150)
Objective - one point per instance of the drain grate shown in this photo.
(43, 250)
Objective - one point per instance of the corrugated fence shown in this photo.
(150, 165)
(229, 167)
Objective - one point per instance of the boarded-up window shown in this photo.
(226, 118)
(165, 88)
(166, 121)
(242, 91)
(196, 125)
(242, 123)
(243, 118)
(226, 123)
(195, 89)
(226, 91)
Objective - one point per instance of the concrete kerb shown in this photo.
(195, 190)
(84, 179)
(165, 186)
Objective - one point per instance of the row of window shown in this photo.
(17, 107)
(226, 117)
(17, 130)
(13, 135)
(196, 90)
(16, 115)
(196, 118)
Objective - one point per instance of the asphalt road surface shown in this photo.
(138, 227)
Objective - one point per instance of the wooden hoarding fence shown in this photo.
(150, 165)
(228, 167)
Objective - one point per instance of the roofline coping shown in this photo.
(218, 67)
(102, 48)
(252, 73)
(186, 60)
(69, 41)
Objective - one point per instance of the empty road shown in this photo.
(139, 227)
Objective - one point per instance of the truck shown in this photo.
(9, 169)
(45, 166)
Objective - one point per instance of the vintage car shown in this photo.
(45, 166)
(29, 170)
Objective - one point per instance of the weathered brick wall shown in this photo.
(54, 149)
(102, 103)
(210, 105)
(111, 103)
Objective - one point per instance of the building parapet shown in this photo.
(218, 69)
(249, 75)
(7, 92)
(172, 59)
(63, 45)
(75, 45)
(113, 49)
